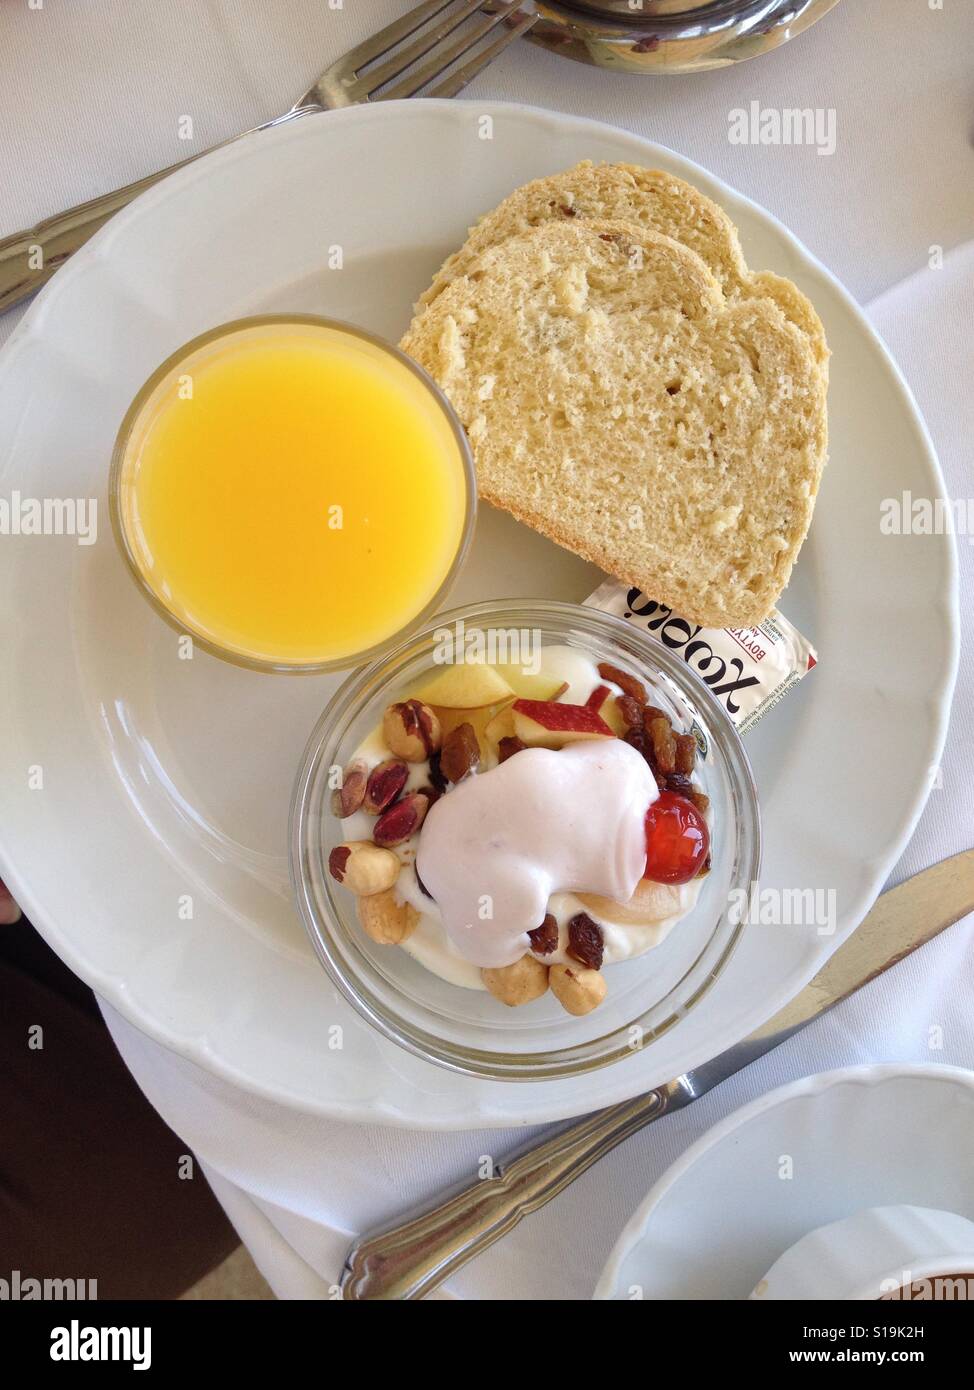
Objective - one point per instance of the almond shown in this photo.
(460, 752)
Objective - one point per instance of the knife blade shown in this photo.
(412, 1257)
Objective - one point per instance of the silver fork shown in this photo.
(388, 66)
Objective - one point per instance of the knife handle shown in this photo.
(409, 1260)
(29, 258)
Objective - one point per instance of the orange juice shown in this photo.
(292, 492)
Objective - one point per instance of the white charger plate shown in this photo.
(167, 781)
(718, 1218)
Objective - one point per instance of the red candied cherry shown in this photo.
(677, 839)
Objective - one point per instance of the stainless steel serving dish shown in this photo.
(662, 36)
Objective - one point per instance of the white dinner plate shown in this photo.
(164, 783)
(796, 1159)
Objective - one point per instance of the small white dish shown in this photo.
(876, 1253)
(815, 1152)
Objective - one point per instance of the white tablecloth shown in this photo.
(92, 95)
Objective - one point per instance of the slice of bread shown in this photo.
(652, 200)
(619, 402)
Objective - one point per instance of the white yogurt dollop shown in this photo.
(494, 850)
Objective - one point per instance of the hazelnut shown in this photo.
(386, 920)
(577, 990)
(401, 821)
(347, 798)
(411, 730)
(519, 983)
(363, 867)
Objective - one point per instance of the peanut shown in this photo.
(363, 867)
(578, 991)
(386, 920)
(519, 983)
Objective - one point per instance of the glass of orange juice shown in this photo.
(292, 492)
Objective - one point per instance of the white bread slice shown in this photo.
(651, 199)
(618, 402)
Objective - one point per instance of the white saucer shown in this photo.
(861, 1137)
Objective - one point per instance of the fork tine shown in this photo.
(370, 49)
(458, 80)
(374, 78)
(444, 57)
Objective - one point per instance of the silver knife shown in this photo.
(410, 1259)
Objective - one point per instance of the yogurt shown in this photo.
(496, 848)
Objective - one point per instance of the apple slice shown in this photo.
(651, 902)
(550, 724)
(501, 726)
(467, 686)
(531, 686)
(450, 719)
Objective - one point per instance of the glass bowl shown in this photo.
(125, 459)
(468, 1030)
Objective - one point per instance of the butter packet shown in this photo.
(748, 669)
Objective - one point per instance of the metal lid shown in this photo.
(638, 11)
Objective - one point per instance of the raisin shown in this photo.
(650, 713)
(508, 747)
(585, 943)
(630, 711)
(664, 744)
(686, 753)
(636, 738)
(544, 939)
(436, 773)
(624, 681)
(699, 799)
(680, 783)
